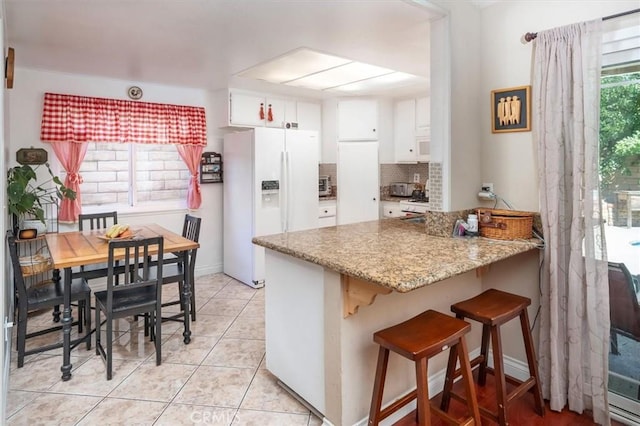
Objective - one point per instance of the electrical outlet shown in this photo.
(416, 178)
(487, 187)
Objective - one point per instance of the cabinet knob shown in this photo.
(374, 130)
(374, 198)
(411, 150)
(326, 211)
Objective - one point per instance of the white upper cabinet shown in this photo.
(358, 120)
(423, 113)
(246, 109)
(412, 130)
(255, 110)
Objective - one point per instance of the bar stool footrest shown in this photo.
(485, 412)
(387, 411)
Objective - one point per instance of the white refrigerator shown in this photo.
(270, 187)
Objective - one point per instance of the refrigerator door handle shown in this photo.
(289, 180)
(283, 191)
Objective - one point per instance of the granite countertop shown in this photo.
(327, 197)
(393, 253)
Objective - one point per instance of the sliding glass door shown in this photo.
(620, 186)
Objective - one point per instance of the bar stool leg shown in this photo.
(484, 353)
(448, 381)
(498, 366)
(378, 386)
(531, 359)
(422, 401)
(467, 377)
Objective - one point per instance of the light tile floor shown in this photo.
(218, 379)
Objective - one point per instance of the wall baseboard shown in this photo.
(208, 270)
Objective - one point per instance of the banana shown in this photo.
(116, 230)
(111, 231)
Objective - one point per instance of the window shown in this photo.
(132, 174)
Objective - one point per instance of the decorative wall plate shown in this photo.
(31, 156)
(9, 64)
(135, 92)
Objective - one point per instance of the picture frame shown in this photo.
(31, 156)
(510, 116)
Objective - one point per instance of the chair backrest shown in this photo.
(97, 220)
(134, 257)
(191, 230)
(625, 309)
(191, 227)
(18, 278)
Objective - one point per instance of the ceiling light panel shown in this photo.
(338, 76)
(292, 66)
(387, 81)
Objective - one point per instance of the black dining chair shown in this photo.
(174, 268)
(138, 293)
(36, 290)
(97, 220)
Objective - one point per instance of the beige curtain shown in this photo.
(574, 325)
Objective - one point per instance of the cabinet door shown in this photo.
(278, 112)
(404, 136)
(423, 112)
(358, 120)
(358, 188)
(245, 109)
(391, 209)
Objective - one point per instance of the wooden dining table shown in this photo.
(82, 248)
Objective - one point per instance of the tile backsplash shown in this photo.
(435, 187)
(402, 173)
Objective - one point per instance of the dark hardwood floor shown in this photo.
(521, 412)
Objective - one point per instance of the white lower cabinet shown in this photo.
(327, 214)
(391, 209)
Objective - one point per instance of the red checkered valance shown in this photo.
(69, 118)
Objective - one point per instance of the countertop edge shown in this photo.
(509, 249)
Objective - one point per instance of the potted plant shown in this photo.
(26, 199)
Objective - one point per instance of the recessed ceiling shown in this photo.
(310, 69)
(204, 44)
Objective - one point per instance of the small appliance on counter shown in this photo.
(324, 185)
(401, 189)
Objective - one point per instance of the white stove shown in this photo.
(414, 206)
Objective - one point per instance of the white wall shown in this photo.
(509, 159)
(25, 106)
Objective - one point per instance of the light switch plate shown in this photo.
(416, 178)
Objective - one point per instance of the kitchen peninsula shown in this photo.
(329, 289)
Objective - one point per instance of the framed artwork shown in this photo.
(31, 156)
(511, 110)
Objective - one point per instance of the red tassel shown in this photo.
(269, 114)
(261, 111)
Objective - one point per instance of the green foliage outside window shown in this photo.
(619, 128)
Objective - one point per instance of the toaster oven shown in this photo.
(401, 189)
(324, 185)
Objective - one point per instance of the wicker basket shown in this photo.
(36, 264)
(505, 224)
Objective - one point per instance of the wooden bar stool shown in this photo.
(493, 308)
(419, 339)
